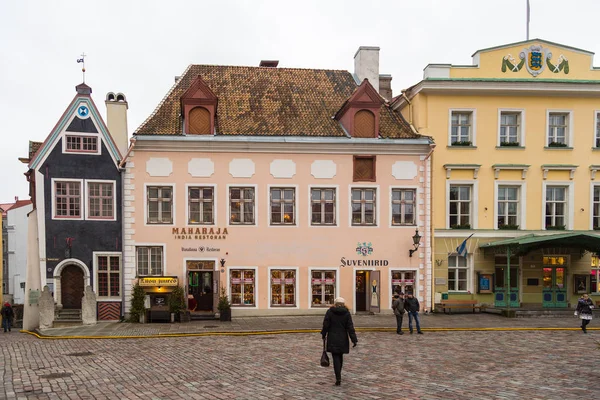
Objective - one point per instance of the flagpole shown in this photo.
(528, 19)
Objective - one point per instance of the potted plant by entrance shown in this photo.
(137, 312)
(176, 303)
(224, 306)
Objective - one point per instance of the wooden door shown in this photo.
(71, 284)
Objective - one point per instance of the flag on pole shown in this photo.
(462, 249)
(79, 60)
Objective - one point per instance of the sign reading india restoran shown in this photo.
(158, 281)
(200, 233)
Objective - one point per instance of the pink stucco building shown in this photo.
(283, 187)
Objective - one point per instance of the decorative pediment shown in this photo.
(199, 107)
(366, 102)
(199, 93)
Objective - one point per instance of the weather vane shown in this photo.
(82, 60)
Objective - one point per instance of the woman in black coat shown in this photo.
(337, 326)
(585, 306)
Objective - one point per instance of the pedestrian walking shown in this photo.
(398, 307)
(412, 306)
(7, 316)
(585, 305)
(337, 327)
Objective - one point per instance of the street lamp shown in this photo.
(416, 241)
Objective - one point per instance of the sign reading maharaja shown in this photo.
(198, 233)
(535, 58)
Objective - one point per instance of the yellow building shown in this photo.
(518, 146)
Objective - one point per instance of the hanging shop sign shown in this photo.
(198, 233)
(363, 249)
(158, 281)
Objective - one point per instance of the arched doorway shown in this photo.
(72, 284)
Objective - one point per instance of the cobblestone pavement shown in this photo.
(437, 365)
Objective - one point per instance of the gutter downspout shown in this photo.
(124, 160)
(430, 235)
(122, 171)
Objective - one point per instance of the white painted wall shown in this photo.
(17, 251)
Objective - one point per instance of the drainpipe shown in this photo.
(123, 253)
(430, 235)
(124, 160)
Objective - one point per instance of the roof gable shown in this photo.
(81, 108)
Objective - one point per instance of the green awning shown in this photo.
(527, 243)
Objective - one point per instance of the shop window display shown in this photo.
(323, 288)
(403, 281)
(283, 287)
(242, 287)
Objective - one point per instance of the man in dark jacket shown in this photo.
(411, 304)
(398, 307)
(337, 326)
(7, 316)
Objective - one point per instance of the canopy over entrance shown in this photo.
(525, 244)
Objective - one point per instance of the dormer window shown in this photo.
(81, 144)
(364, 124)
(199, 123)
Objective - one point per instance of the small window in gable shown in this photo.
(81, 144)
(364, 168)
(364, 124)
(199, 123)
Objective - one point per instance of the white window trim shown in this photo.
(474, 201)
(187, 205)
(147, 244)
(228, 206)
(82, 200)
(98, 151)
(152, 184)
(296, 206)
(473, 112)
(95, 255)
(391, 270)
(570, 130)
(87, 198)
(377, 205)
(522, 202)
(228, 272)
(296, 288)
(570, 185)
(521, 111)
(337, 205)
(592, 186)
(470, 273)
(337, 284)
(594, 130)
(418, 193)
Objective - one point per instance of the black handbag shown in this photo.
(324, 356)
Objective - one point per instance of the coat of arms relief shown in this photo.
(535, 58)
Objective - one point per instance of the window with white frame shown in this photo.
(67, 199)
(322, 288)
(597, 137)
(596, 208)
(242, 287)
(149, 260)
(322, 206)
(558, 129)
(461, 130)
(101, 200)
(241, 205)
(556, 207)
(460, 199)
(81, 144)
(201, 205)
(160, 204)
(403, 206)
(363, 206)
(595, 275)
(283, 287)
(108, 275)
(510, 128)
(458, 274)
(283, 206)
(508, 207)
(403, 281)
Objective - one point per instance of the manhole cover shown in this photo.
(211, 326)
(56, 375)
(81, 354)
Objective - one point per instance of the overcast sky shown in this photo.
(137, 47)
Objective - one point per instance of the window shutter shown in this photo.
(199, 121)
(364, 169)
(364, 124)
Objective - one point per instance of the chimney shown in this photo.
(116, 119)
(366, 65)
(269, 63)
(385, 87)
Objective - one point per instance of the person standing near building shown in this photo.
(337, 327)
(398, 307)
(7, 316)
(585, 305)
(412, 306)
